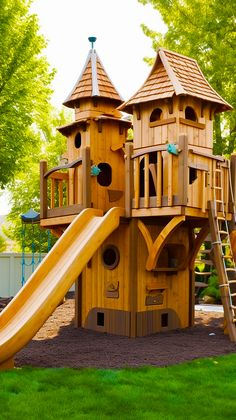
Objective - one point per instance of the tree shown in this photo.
(25, 79)
(25, 190)
(206, 31)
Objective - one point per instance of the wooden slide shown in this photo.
(47, 286)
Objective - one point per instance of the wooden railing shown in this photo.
(156, 178)
(57, 187)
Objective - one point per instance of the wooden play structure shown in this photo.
(131, 215)
(140, 281)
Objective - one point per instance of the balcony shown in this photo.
(161, 183)
(61, 195)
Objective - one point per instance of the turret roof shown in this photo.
(173, 73)
(93, 82)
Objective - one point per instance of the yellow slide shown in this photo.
(47, 286)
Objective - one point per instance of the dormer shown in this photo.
(175, 99)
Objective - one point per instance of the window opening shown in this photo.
(156, 115)
(190, 114)
(111, 257)
(164, 320)
(100, 319)
(105, 176)
(78, 140)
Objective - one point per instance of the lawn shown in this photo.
(202, 389)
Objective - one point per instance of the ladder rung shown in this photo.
(202, 273)
(232, 281)
(207, 262)
(221, 218)
(233, 307)
(223, 232)
(217, 188)
(204, 251)
(225, 244)
(232, 294)
(230, 269)
(227, 257)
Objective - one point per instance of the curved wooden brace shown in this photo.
(161, 240)
(197, 244)
(146, 235)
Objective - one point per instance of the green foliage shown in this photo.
(213, 288)
(206, 31)
(3, 244)
(173, 392)
(25, 79)
(25, 190)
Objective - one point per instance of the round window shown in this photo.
(110, 257)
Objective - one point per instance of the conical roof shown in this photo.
(175, 74)
(93, 82)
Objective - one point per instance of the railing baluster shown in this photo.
(146, 180)
(52, 193)
(136, 182)
(60, 193)
(159, 180)
(170, 180)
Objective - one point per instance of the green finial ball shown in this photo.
(92, 39)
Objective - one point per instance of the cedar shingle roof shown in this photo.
(92, 82)
(177, 74)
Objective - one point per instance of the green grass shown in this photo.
(202, 389)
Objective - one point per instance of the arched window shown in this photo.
(78, 140)
(105, 177)
(190, 114)
(156, 115)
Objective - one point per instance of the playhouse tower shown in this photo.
(140, 281)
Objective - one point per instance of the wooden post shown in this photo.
(133, 283)
(146, 180)
(86, 176)
(159, 179)
(224, 286)
(232, 193)
(129, 178)
(170, 180)
(136, 182)
(183, 170)
(43, 190)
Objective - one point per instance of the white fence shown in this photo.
(11, 272)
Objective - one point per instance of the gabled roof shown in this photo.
(175, 74)
(93, 82)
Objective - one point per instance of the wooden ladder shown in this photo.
(222, 252)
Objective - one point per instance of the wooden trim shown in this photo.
(146, 235)
(161, 240)
(183, 170)
(86, 177)
(78, 301)
(67, 166)
(191, 123)
(197, 244)
(64, 211)
(214, 157)
(151, 149)
(199, 166)
(57, 221)
(59, 176)
(162, 122)
(159, 180)
(133, 277)
(129, 178)
(136, 183)
(146, 180)
(179, 90)
(43, 190)
(170, 179)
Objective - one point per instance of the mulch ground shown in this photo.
(59, 344)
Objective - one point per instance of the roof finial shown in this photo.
(92, 39)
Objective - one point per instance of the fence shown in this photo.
(10, 272)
